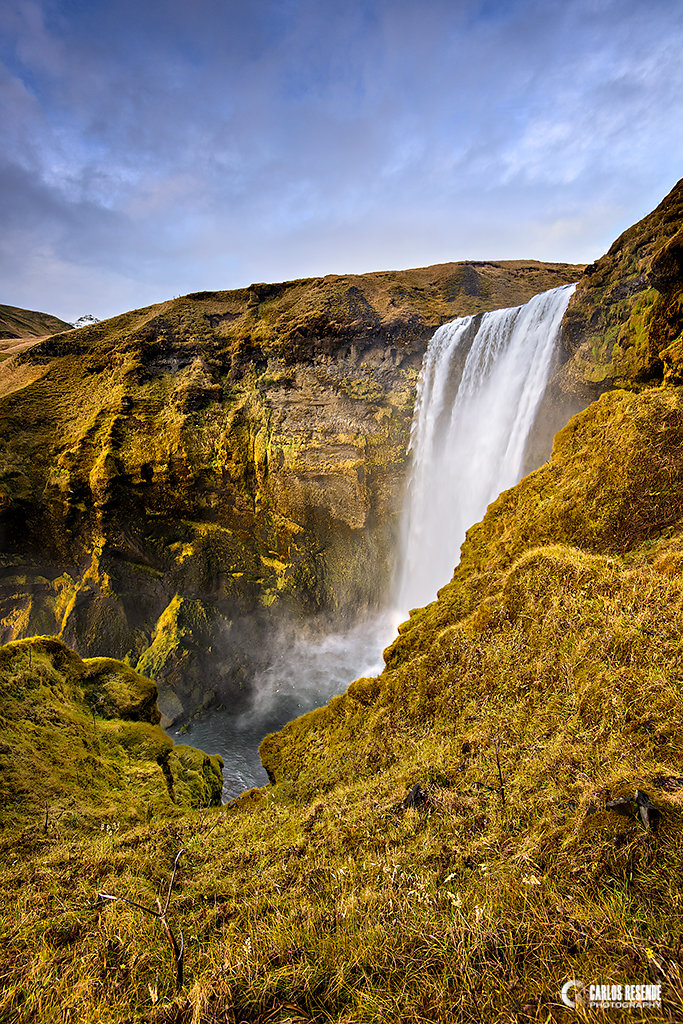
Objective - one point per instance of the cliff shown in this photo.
(176, 481)
(624, 324)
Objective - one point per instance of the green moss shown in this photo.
(114, 690)
(197, 777)
(621, 323)
(80, 737)
(180, 646)
(365, 389)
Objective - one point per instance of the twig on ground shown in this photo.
(160, 914)
(500, 775)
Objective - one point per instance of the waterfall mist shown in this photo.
(480, 387)
(311, 668)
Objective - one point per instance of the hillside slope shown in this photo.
(18, 323)
(21, 329)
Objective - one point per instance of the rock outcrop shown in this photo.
(176, 481)
(624, 325)
(81, 737)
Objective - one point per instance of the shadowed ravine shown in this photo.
(479, 390)
(308, 673)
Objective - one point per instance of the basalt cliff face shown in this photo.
(175, 481)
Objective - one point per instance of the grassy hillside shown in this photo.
(21, 329)
(551, 663)
(16, 323)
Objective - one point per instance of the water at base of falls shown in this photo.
(307, 675)
(480, 388)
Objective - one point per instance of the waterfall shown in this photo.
(474, 410)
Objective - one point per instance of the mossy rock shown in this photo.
(82, 736)
(197, 777)
(113, 690)
(95, 621)
(143, 739)
(179, 656)
(39, 650)
(624, 323)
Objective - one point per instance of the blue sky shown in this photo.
(158, 147)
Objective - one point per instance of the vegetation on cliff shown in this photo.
(624, 325)
(176, 480)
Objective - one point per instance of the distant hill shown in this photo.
(18, 323)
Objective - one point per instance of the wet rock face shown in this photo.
(175, 481)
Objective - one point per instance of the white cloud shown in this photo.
(168, 147)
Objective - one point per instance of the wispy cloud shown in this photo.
(152, 149)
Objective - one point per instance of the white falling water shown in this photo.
(468, 437)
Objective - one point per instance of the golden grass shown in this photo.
(321, 899)
(552, 658)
